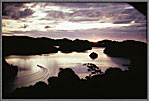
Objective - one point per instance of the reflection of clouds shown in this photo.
(24, 63)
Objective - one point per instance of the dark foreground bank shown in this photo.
(113, 84)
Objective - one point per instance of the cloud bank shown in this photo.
(92, 21)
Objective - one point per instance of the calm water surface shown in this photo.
(29, 73)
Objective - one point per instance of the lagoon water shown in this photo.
(34, 68)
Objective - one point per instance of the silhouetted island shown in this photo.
(93, 55)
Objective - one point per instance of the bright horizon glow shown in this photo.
(94, 41)
(67, 26)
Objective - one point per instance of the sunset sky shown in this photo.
(89, 21)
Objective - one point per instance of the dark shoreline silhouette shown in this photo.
(24, 45)
(9, 72)
(113, 84)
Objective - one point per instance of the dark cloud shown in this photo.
(55, 14)
(143, 30)
(134, 16)
(81, 5)
(8, 7)
(91, 11)
(47, 27)
(128, 11)
(20, 32)
(130, 31)
(141, 25)
(22, 14)
(25, 26)
(82, 20)
(93, 14)
(7, 33)
(121, 22)
(78, 13)
(12, 11)
(88, 5)
(88, 15)
(73, 5)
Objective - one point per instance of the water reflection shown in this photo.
(28, 64)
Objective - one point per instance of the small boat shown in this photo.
(40, 66)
